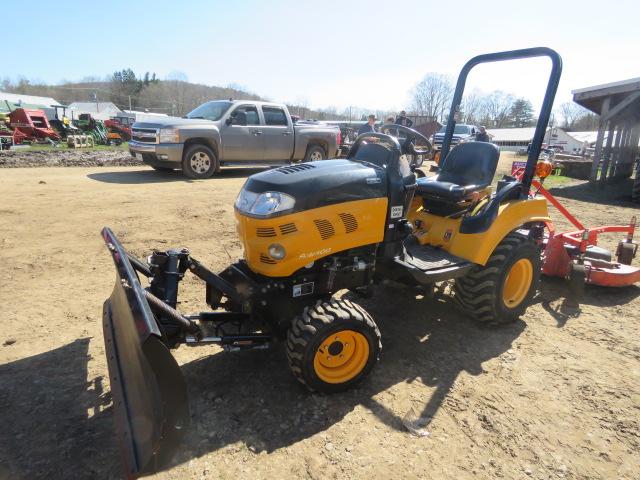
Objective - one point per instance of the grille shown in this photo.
(288, 228)
(265, 259)
(325, 228)
(349, 221)
(295, 168)
(145, 135)
(266, 232)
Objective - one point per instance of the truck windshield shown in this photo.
(458, 130)
(210, 110)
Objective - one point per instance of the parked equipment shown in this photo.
(308, 231)
(119, 130)
(95, 128)
(31, 125)
(575, 255)
(6, 134)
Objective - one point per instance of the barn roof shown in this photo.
(19, 98)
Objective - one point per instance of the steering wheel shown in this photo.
(408, 144)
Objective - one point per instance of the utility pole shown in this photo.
(129, 102)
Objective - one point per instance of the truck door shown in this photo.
(242, 139)
(277, 133)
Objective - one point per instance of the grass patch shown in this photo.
(557, 181)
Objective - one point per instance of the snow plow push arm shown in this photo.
(148, 389)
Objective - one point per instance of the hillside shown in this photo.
(173, 97)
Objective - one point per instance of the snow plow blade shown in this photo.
(148, 390)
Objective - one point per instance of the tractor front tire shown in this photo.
(500, 292)
(332, 345)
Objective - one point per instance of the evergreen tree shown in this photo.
(521, 113)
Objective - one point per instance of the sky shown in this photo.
(324, 53)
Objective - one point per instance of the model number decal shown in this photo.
(373, 181)
(302, 289)
(396, 212)
(317, 253)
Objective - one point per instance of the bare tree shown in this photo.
(177, 87)
(497, 107)
(472, 107)
(570, 113)
(432, 95)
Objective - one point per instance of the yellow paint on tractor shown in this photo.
(445, 233)
(341, 356)
(310, 235)
(517, 283)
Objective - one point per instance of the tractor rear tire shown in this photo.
(332, 345)
(500, 292)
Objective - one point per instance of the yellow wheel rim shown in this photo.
(341, 356)
(517, 283)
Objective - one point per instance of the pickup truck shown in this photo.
(461, 133)
(227, 132)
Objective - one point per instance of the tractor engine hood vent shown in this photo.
(321, 183)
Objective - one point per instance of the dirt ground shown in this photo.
(556, 395)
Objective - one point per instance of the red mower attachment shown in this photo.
(576, 253)
(31, 125)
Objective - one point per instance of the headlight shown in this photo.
(169, 135)
(264, 204)
(277, 251)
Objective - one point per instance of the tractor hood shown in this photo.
(321, 183)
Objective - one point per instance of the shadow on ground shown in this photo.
(252, 398)
(618, 193)
(137, 177)
(553, 294)
(55, 423)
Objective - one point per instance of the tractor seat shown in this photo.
(428, 187)
(466, 172)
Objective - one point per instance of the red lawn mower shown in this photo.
(575, 254)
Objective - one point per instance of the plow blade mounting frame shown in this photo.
(148, 389)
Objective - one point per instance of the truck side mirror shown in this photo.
(229, 121)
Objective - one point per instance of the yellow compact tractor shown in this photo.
(310, 230)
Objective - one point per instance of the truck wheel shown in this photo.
(500, 291)
(199, 161)
(332, 345)
(314, 153)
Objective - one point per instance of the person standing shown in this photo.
(368, 127)
(403, 120)
(482, 135)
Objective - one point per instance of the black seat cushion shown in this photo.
(432, 186)
(468, 168)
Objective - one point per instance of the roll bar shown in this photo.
(545, 111)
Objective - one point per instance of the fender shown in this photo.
(477, 247)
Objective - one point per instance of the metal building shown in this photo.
(618, 105)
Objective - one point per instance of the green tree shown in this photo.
(124, 84)
(521, 113)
